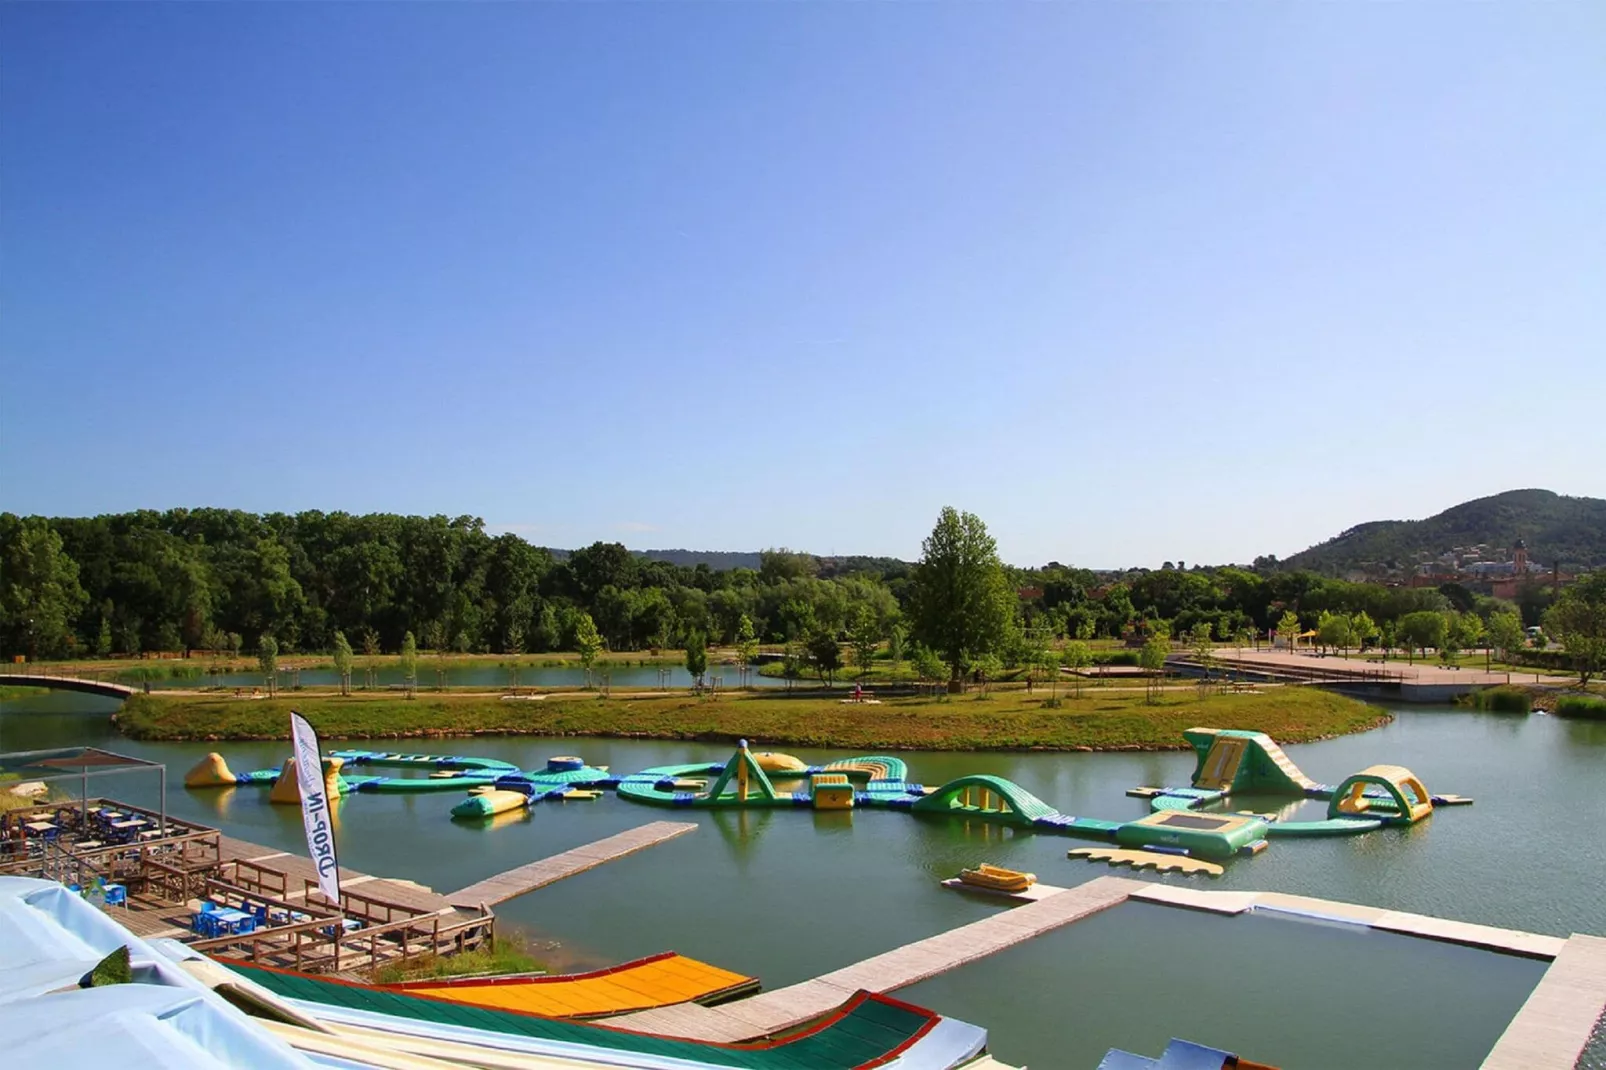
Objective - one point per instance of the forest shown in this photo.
(215, 579)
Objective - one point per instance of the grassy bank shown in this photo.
(1002, 721)
(509, 954)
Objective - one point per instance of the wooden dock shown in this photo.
(527, 878)
(1424, 926)
(786, 1007)
(1551, 1029)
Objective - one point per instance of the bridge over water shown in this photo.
(80, 684)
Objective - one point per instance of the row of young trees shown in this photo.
(225, 579)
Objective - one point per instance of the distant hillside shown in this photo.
(1572, 530)
(717, 560)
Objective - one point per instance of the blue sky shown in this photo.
(1133, 282)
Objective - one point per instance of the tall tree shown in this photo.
(697, 658)
(1505, 633)
(1078, 656)
(39, 591)
(1288, 629)
(1578, 621)
(1419, 631)
(1362, 629)
(409, 662)
(1152, 659)
(960, 601)
(343, 659)
(1334, 630)
(827, 656)
(864, 636)
(268, 659)
(746, 644)
(588, 642)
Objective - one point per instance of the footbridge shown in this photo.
(81, 684)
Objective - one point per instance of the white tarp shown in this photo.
(315, 808)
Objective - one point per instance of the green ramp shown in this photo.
(1231, 759)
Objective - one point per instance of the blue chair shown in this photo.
(116, 895)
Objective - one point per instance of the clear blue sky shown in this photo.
(1133, 282)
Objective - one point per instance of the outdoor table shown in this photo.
(150, 834)
(234, 921)
(89, 845)
(40, 826)
(129, 823)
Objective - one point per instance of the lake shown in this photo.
(786, 895)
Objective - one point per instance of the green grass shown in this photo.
(508, 954)
(1007, 720)
(1501, 700)
(1581, 706)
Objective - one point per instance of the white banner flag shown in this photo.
(315, 808)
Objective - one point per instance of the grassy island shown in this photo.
(1002, 720)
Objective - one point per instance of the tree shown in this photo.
(827, 656)
(864, 636)
(1078, 656)
(960, 601)
(103, 638)
(1578, 621)
(696, 658)
(588, 642)
(1505, 634)
(1288, 629)
(1361, 628)
(1152, 658)
(1334, 630)
(1204, 652)
(409, 662)
(268, 659)
(929, 665)
(986, 667)
(746, 643)
(897, 640)
(793, 657)
(343, 662)
(1420, 630)
(39, 590)
(1242, 636)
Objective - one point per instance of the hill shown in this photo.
(1554, 526)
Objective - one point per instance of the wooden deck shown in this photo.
(527, 878)
(786, 1007)
(1551, 1029)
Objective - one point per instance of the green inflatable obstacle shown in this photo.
(991, 798)
(1231, 759)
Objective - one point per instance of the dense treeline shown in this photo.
(223, 579)
(220, 579)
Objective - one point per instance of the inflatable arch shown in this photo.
(989, 797)
(1390, 793)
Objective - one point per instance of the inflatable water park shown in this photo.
(1190, 828)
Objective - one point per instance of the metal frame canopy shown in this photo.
(85, 762)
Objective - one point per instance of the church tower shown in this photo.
(1519, 558)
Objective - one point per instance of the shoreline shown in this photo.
(1007, 722)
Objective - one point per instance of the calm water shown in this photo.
(786, 895)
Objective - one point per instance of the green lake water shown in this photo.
(786, 895)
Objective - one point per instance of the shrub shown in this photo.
(1503, 700)
(1581, 706)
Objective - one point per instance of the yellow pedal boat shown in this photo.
(997, 878)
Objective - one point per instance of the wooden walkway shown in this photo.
(786, 1007)
(300, 868)
(527, 878)
(1551, 1029)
